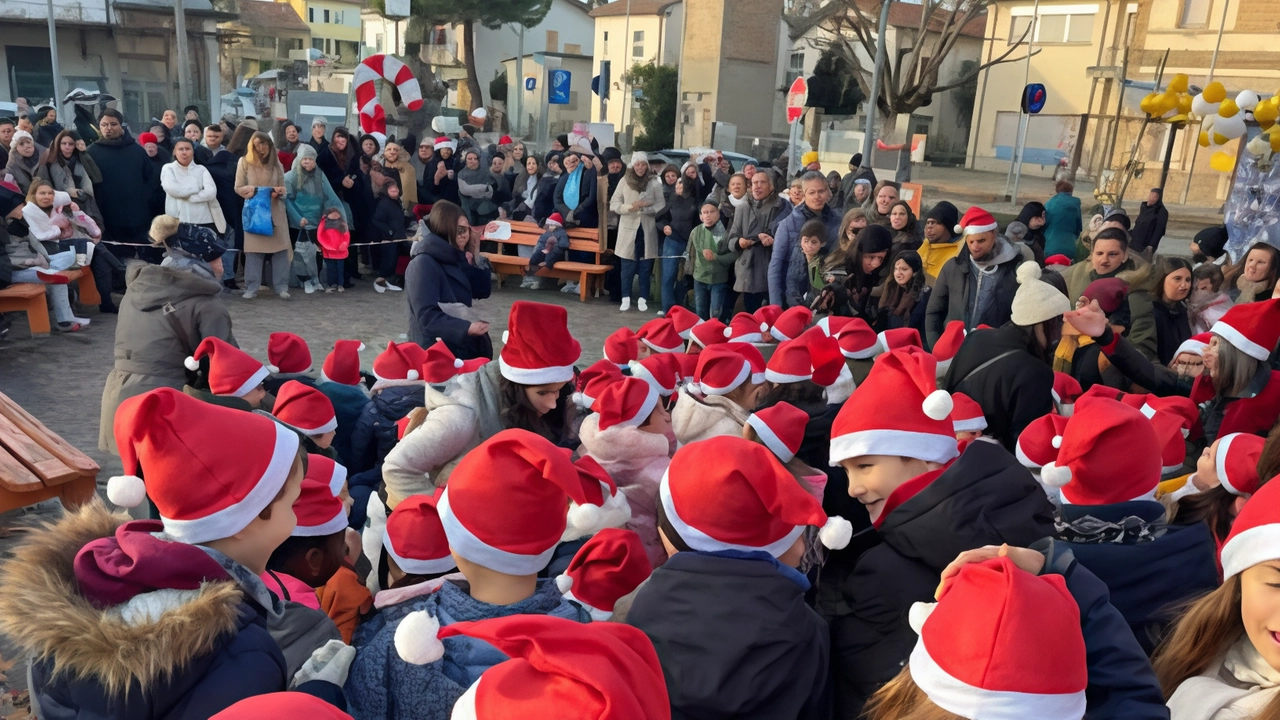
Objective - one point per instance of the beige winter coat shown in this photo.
(423, 459)
(270, 175)
(631, 221)
(696, 419)
(1237, 687)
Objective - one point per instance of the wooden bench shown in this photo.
(30, 298)
(36, 464)
(588, 275)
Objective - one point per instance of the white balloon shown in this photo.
(1230, 128)
(1201, 107)
(1247, 100)
(1260, 146)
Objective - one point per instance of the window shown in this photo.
(1080, 28)
(377, 42)
(265, 43)
(1195, 13)
(326, 16)
(795, 68)
(1054, 27)
(606, 42)
(317, 44)
(1017, 27)
(553, 41)
(295, 44)
(311, 14)
(637, 44)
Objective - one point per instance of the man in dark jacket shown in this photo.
(1149, 228)
(977, 286)
(222, 168)
(751, 235)
(816, 205)
(128, 182)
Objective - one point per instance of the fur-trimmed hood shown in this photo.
(145, 640)
(695, 418)
(622, 446)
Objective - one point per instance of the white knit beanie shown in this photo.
(1036, 300)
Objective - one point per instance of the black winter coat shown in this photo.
(1173, 328)
(1149, 227)
(545, 202)
(1147, 578)
(439, 272)
(129, 180)
(984, 497)
(388, 219)
(735, 637)
(447, 188)
(222, 168)
(586, 215)
(953, 293)
(1013, 390)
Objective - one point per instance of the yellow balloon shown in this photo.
(1147, 104)
(1266, 114)
(1275, 142)
(1179, 83)
(1215, 92)
(1204, 138)
(1184, 104)
(1166, 102)
(1222, 162)
(1228, 108)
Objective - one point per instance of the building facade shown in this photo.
(335, 27)
(627, 34)
(266, 36)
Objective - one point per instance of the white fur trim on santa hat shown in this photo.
(740, 378)
(414, 566)
(254, 381)
(1239, 341)
(465, 707)
(770, 438)
(646, 409)
(903, 443)
(126, 491)
(1066, 409)
(975, 229)
(535, 376)
(698, 540)
(774, 376)
(463, 542)
(327, 427)
(234, 518)
(1219, 464)
(977, 424)
(842, 389)
(969, 701)
(943, 366)
(1191, 345)
(416, 639)
(1253, 546)
(337, 523)
(1022, 457)
(919, 613)
(338, 478)
(596, 613)
(659, 349)
(272, 368)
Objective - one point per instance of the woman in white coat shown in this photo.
(189, 191)
(637, 202)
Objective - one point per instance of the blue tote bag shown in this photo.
(256, 216)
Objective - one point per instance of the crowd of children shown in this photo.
(768, 515)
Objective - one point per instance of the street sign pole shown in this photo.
(1015, 158)
(57, 73)
(797, 96)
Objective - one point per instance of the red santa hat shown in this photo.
(766, 316)
(1039, 441)
(660, 335)
(593, 381)
(708, 333)
(726, 493)
(232, 371)
(288, 353)
(589, 519)
(1237, 463)
(621, 347)
(505, 506)
(745, 328)
(444, 142)
(791, 323)
(790, 363)
(609, 566)
(898, 410)
(781, 429)
(1066, 390)
(828, 361)
(966, 415)
(722, 369)
(899, 338)
(415, 537)
(832, 324)
(628, 402)
(1110, 453)
(273, 706)
(398, 365)
(201, 491)
(318, 508)
(948, 345)
(555, 219)
(857, 340)
(304, 409)
(1252, 328)
(440, 365)
(1196, 345)
(558, 668)
(1001, 644)
(143, 137)
(661, 371)
(537, 347)
(684, 320)
(342, 364)
(976, 220)
(324, 468)
(1255, 534)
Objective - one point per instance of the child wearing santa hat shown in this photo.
(728, 607)
(503, 512)
(288, 358)
(534, 375)
(1220, 659)
(308, 412)
(1226, 476)
(782, 428)
(340, 381)
(627, 435)
(966, 418)
(551, 248)
(727, 386)
(179, 597)
(896, 442)
(220, 373)
(605, 574)
(410, 557)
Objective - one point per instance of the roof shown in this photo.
(271, 15)
(198, 8)
(901, 15)
(637, 7)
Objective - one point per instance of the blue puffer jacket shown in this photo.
(787, 237)
(381, 685)
(375, 431)
(349, 403)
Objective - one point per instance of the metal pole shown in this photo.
(627, 44)
(53, 54)
(1168, 154)
(684, 13)
(519, 83)
(876, 78)
(1015, 164)
(1213, 65)
(184, 62)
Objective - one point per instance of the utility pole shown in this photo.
(627, 44)
(876, 79)
(1213, 65)
(53, 53)
(1024, 118)
(184, 62)
(519, 81)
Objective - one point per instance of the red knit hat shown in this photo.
(1252, 328)
(593, 381)
(147, 137)
(538, 349)
(726, 493)
(721, 370)
(415, 537)
(898, 410)
(1255, 534)
(828, 361)
(899, 338)
(398, 365)
(342, 364)
(1066, 390)
(791, 323)
(1237, 463)
(305, 409)
(558, 668)
(684, 320)
(1038, 442)
(628, 402)
(273, 706)
(662, 371)
(1110, 453)
(609, 566)
(1002, 644)
(948, 345)
(790, 363)
(288, 353)
(781, 429)
(505, 505)
(857, 340)
(711, 332)
(232, 371)
(318, 509)
(201, 491)
(660, 335)
(766, 316)
(554, 219)
(746, 328)
(440, 365)
(966, 415)
(324, 468)
(976, 220)
(621, 347)
(1059, 260)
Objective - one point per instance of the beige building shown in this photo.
(335, 27)
(630, 33)
(260, 40)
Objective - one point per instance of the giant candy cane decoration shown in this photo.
(373, 119)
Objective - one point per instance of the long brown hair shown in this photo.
(1213, 507)
(1235, 369)
(902, 699)
(1202, 635)
(1236, 271)
(238, 145)
(515, 411)
(54, 153)
(251, 154)
(1269, 462)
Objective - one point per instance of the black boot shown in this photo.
(109, 308)
(230, 284)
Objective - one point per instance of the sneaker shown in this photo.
(84, 322)
(342, 288)
(528, 282)
(391, 287)
(570, 287)
(68, 327)
(328, 291)
(52, 278)
(660, 314)
(249, 295)
(643, 305)
(284, 295)
(625, 306)
(310, 287)
(380, 285)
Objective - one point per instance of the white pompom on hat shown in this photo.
(1035, 300)
(399, 364)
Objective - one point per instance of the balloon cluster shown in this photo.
(1222, 119)
(1172, 105)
